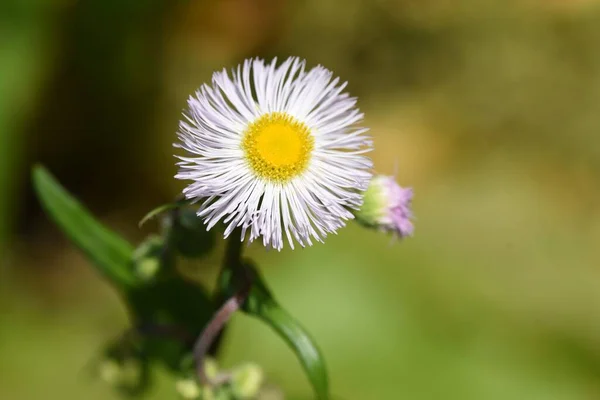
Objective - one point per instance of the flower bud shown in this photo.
(188, 389)
(127, 375)
(211, 369)
(147, 258)
(109, 371)
(386, 206)
(246, 381)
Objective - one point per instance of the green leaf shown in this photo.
(163, 208)
(262, 305)
(110, 253)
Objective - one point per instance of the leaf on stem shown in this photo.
(262, 305)
(111, 254)
(163, 208)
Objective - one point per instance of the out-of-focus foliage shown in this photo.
(109, 253)
(25, 60)
(169, 313)
(487, 108)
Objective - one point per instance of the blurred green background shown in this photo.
(490, 109)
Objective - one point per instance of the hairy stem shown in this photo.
(211, 331)
(232, 261)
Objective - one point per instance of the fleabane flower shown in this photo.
(386, 207)
(275, 150)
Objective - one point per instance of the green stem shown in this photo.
(233, 252)
(231, 266)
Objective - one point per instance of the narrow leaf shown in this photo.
(262, 304)
(110, 253)
(163, 208)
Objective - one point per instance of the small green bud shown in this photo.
(109, 371)
(147, 258)
(147, 268)
(246, 381)
(211, 369)
(128, 375)
(188, 389)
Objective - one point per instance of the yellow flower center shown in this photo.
(277, 146)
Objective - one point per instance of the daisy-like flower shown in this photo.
(387, 207)
(275, 150)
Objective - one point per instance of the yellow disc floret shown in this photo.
(277, 146)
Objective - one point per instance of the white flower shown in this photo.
(273, 150)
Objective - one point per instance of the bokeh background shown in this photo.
(490, 109)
